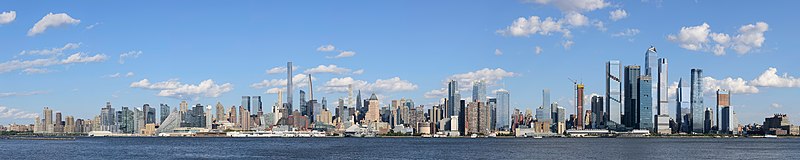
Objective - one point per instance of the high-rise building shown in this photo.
(165, 110)
(373, 113)
(724, 115)
(652, 66)
(149, 114)
(246, 103)
(707, 117)
(681, 101)
(631, 100)
(547, 116)
(579, 106)
(452, 102)
(107, 118)
(303, 106)
(289, 88)
(696, 101)
(48, 120)
(503, 110)
(257, 104)
(220, 116)
(184, 106)
(645, 109)
(597, 112)
(662, 114)
(479, 91)
(613, 94)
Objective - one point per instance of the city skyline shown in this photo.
(79, 57)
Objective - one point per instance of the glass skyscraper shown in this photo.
(546, 105)
(613, 93)
(662, 111)
(503, 109)
(631, 96)
(479, 91)
(645, 114)
(696, 100)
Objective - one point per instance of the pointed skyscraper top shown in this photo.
(373, 97)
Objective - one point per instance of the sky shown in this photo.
(73, 56)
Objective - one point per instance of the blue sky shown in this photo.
(131, 53)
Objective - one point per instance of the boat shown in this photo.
(770, 136)
(474, 136)
(537, 137)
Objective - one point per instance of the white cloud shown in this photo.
(538, 50)
(13, 65)
(436, 93)
(497, 52)
(567, 44)
(630, 32)
(128, 55)
(8, 17)
(175, 89)
(53, 51)
(490, 76)
(357, 72)
(119, 75)
(93, 25)
(770, 78)
(326, 48)
(327, 69)
(298, 80)
(576, 19)
(735, 86)
(696, 38)
(617, 14)
(51, 20)
(501, 89)
(6, 112)
(280, 69)
(82, 58)
(16, 94)
(395, 84)
(35, 71)
(776, 105)
(599, 25)
(344, 54)
(574, 5)
(535, 25)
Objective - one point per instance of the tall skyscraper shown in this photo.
(165, 110)
(48, 120)
(246, 103)
(289, 87)
(257, 104)
(503, 110)
(303, 106)
(681, 101)
(579, 106)
(184, 106)
(107, 118)
(696, 101)
(220, 116)
(723, 116)
(547, 116)
(631, 96)
(479, 91)
(597, 112)
(613, 94)
(652, 65)
(452, 100)
(662, 114)
(149, 114)
(373, 113)
(645, 109)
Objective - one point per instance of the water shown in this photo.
(401, 148)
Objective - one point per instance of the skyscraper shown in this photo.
(452, 100)
(631, 96)
(547, 116)
(579, 106)
(149, 114)
(681, 101)
(696, 101)
(257, 104)
(479, 91)
(107, 118)
(184, 106)
(662, 114)
(723, 116)
(652, 66)
(503, 110)
(613, 93)
(246, 103)
(597, 112)
(165, 110)
(373, 113)
(48, 120)
(220, 112)
(289, 88)
(645, 108)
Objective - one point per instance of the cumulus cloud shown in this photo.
(6, 112)
(173, 88)
(567, 44)
(273, 85)
(13, 65)
(497, 52)
(630, 32)
(734, 85)
(617, 14)
(280, 69)
(328, 69)
(326, 48)
(51, 20)
(535, 25)
(576, 19)
(17, 94)
(700, 38)
(395, 84)
(489, 76)
(770, 78)
(436, 93)
(357, 72)
(776, 105)
(8, 17)
(128, 55)
(53, 51)
(344, 54)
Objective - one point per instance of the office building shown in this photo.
(246, 103)
(645, 109)
(723, 111)
(597, 112)
(662, 96)
(613, 98)
(579, 106)
(503, 110)
(479, 91)
(289, 88)
(631, 97)
(165, 110)
(696, 100)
